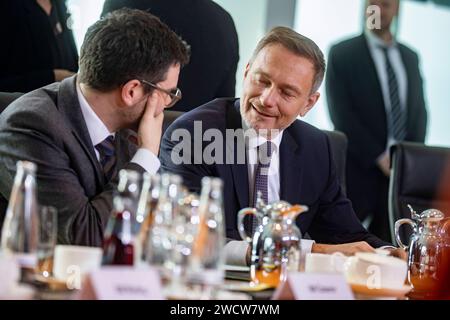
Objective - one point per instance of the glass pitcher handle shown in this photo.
(241, 215)
(397, 226)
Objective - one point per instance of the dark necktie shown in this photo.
(261, 175)
(106, 150)
(398, 117)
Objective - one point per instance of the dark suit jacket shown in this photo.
(212, 36)
(46, 126)
(307, 175)
(28, 43)
(356, 106)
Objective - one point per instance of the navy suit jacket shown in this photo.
(307, 175)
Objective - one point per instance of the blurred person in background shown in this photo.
(38, 48)
(210, 32)
(375, 96)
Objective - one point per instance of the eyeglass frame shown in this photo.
(175, 97)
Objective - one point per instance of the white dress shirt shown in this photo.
(236, 251)
(375, 47)
(99, 132)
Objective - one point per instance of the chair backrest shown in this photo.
(6, 98)
(417, 177)
(338, 142)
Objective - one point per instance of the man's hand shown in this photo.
(348, 249)
(384, 163)
(61, 74)
(150, 127)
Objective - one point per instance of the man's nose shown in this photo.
(269, 97)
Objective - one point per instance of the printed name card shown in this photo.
(123, 283)
(314, 286)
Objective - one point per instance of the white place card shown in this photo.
(123, 283)
(314, 286)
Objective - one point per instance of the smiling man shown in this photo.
(280, 83)
(82, 131)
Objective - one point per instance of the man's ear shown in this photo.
(132, 92)
(312, 99)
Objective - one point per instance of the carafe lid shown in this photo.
(283, 209)
(431, 215)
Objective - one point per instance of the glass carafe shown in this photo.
(206, 265)
(426, 250)
(160, 240)
(122, 227)
(20, 232)
(275, 244)
(146, 213)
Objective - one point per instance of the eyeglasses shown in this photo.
(174, 94)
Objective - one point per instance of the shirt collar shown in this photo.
(376, 42)
(96, 128)
(255, 141)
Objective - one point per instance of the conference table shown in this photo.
(236, 286)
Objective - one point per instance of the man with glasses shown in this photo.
(82, 131)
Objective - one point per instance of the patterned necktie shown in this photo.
(106, 150)
(398, 117)
(261, 176)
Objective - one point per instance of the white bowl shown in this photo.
(74, 261)
(376, 271)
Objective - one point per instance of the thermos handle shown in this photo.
(397, 226)
(241, 215)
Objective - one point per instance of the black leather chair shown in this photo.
(416, 179)
(338, 142)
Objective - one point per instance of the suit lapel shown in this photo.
(239, 171)
(290, 168)
(69, 106)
